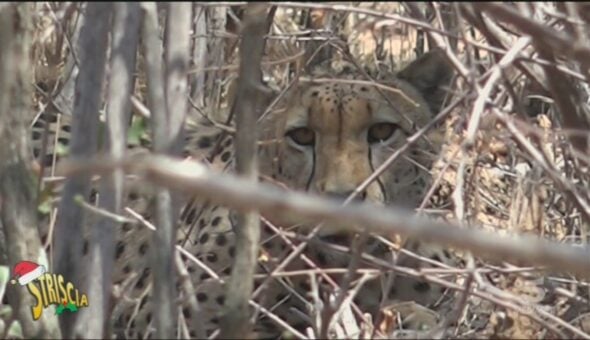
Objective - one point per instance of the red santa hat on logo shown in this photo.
(26, 271)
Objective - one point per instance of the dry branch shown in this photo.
(126, 22)
(199, 54)
(235, 322)
(68, 231)
(176, 55)
(551, 44)
(547, 37)
(18, 195)
(177, 58)
(484, 94)
(163, 240)
(194, 178)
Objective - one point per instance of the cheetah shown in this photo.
(326, 138)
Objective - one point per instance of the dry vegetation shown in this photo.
(515, 158)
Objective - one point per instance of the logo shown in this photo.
(47, 289)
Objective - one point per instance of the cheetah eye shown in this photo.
(302, 136)
(381, 132)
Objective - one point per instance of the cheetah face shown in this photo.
(338, 137)
(335, 135)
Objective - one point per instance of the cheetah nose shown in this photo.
(343, 195)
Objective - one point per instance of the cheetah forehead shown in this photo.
(320, 105)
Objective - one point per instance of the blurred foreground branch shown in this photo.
(243, 195)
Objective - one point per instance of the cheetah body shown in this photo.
(325, 137)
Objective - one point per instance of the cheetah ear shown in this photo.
(429, 74)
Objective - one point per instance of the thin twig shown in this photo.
(188, 288)
(484, 94)
(557, 41)
(577, 196)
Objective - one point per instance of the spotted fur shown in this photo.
(355, 127)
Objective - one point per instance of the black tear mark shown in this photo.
(379, 182)
(309, 180)
(340, 123)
